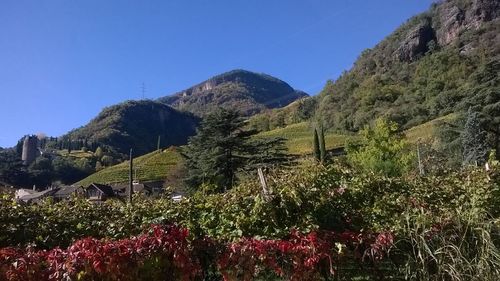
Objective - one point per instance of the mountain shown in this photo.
(138, 124)
(242, 90)
(442, 61)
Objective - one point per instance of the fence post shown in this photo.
(263, 183)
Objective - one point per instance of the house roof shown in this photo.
(106, 189)
(138, 187)
(66, 191)
(29, 191)
(39, 195)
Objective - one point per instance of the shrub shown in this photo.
(382, 150)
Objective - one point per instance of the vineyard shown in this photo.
(318, 223)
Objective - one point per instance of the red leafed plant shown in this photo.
(163, 252)
(166, 253)
(300, 257)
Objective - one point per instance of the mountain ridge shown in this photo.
(242, 90)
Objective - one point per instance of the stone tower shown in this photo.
(30, 149)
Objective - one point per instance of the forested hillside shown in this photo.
(138, 125)
(444, 60)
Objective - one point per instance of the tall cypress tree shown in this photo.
(316, 149)
(322, 146)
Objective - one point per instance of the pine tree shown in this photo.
(220, 148)
(316, 149)
(267, 152)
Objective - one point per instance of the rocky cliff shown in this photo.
(444, 24)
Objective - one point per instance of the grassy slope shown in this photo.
(426, 132)
(150, 167)
(157, 166)
(299, 138)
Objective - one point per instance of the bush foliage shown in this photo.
(457, 212)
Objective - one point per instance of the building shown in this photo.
(67, 192)
(94, 192)
(99, 192)
(38, 196)
(30, 149)
(23, 192)
(151, 189)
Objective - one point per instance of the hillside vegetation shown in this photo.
(335, 220)
(137, 124)
(154, 166)
(442, 61)
(299, 138)
(427, 132)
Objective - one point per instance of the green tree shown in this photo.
(316, 149)
(107, 160)
(67, 170)
(306, 109)
(381, 150)
(12, 170)
(267, 152)
(221, 147)
(322, 145)
(215, 153)
(450, 142)
(41, 171)
(99, 153)
(70, 144)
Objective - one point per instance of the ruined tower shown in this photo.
(30, 149)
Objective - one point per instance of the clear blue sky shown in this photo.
(62, 61)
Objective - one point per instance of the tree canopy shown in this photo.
(382, 150)
(222, 146)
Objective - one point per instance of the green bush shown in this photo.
(381, 150)
(452, 219)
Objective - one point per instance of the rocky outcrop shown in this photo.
(455, 17)
(415, 43)
(445, 24)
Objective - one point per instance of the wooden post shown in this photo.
(131, 185)
(263, 182)
(420, 165)
(158, 146)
